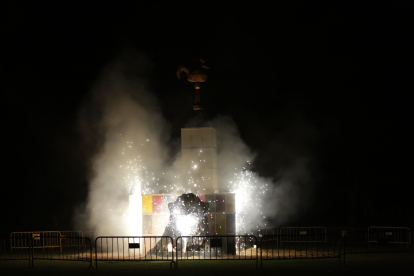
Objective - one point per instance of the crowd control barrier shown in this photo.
(295, 247)
(130, 248)
(78, 249)
(302, 234)
(232, 247)
(23, 253)
(40, 239)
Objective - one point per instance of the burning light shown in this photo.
(135, 213)
(139, 181)
(187, 225)
(249, 193)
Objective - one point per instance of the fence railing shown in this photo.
(383, 234)
(378, 240)
(294, 247)
(79, 249)
(22, 254)
(288, 243)
(39, 239)
(302, 234)
(24, 248)
(90, 234)
(71, 238)
(339, 232)
(267, 231)
(232, 247)
(130, 248)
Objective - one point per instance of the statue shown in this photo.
(186, 205)
(197, 76)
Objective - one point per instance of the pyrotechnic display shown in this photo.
(134, 190)
(176, 135)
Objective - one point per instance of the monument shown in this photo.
(215, 211)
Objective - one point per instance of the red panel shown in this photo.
(202, 198)
(157, 204)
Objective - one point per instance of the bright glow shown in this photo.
(248, 199)
(169, 247)
(187, 225)
(139, 181)
(136, 182)
(135, 213)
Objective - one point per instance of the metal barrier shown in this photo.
(383, 234)
(236, 247)
(71, 238)
(314, 247)
(302, 234)
(378, 240)
(22, 253)
(141, 248)
(79, 249)
(359, 243)
(40, 239)
(63, 242)
(24, 248)
(90, 234)
(267, 231)
(339, 232)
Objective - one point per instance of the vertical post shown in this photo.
(340, 238)
(261, 251)
(96, 253)
(176, 253)
(197, 105)
(172, 251)
(90, 254)
(345, 247)
(31, 251)
(257, 255)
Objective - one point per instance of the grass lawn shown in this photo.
(361, 264)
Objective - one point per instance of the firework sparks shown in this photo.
(249, 192)
(138, 180)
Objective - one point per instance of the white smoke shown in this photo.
(122, 116)
(279, 199)
(122, 125)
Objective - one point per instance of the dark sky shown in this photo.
(327, 81)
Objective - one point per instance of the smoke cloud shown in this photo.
(280, 199)
(123, 119)
(127, 139)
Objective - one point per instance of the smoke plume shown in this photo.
(126, 136)
(123, 119)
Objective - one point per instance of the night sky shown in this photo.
(328, 82)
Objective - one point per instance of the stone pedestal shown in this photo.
(199, 176)
(199, 160)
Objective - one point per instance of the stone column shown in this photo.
(199, 160)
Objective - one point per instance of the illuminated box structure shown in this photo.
(222, 213)
(199, 161)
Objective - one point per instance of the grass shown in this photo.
(358, 264)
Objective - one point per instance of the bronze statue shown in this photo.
(185, 205)
(197, 76)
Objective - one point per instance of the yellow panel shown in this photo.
(146, 204)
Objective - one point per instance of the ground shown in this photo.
(361, 264)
